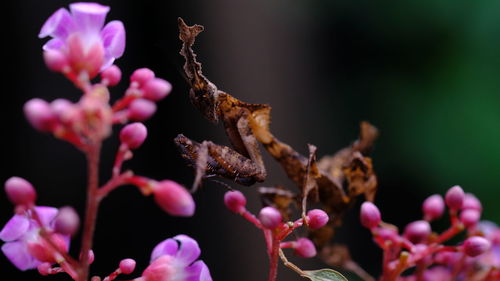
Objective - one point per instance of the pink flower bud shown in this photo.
(142, 75)
(417, 231)
(304, 248)
(61, 107)
(388, 234)
(44, 268)
(454, 198)
(370, 215)
(156, 89)
(111, 75)
(91, 256)
(141, 109)
(173, 198)
(235, 201)
(316, 218)
(470, 217)
(475, 246)
(55, 60)
(471, 202)
(20, 191)
(67, 221)
(133, 135)
(270, 217)
(127, 266)
(39, 114)
(433, 207)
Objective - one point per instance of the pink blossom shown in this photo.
(21, 236)
(174, 259)
(79, 41)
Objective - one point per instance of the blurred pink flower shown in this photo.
(174, 259)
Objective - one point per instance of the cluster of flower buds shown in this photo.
(90, 119)
(419, 247)
(81, 48)
(275, 229)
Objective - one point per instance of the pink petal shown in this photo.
(189, 250)
(46, 214)
(89, 17)
(53, 44)
(113, 38)
(59, 25)
(198, 271)
(17, 253)
(167, 247)
(14, 228)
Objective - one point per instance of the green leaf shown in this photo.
(324, 275)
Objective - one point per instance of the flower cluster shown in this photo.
(82, 48)
(275, 230)
(419, 247)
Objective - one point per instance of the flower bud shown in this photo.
(142, 75)
(304, 248)
(55, 60)
(475, 246)
(156, 89)
(127, 266)
(173, 198)
(433, 207)
(60, 108)
(417, 231)
(471, 202)
(141, 109)
(470, 217)
(20, 191)
(235, 201)
(39, 114)
(316, 218)
(111, 75)
(370, 215)
(270, 217)
(67, 221)
(454, 198)
(44, 268)
(388, 234)
(91, 256)
(133, 135)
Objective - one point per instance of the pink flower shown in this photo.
(174, 260)
(21, 233)
(79, 41)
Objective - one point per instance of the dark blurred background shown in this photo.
(425, 73)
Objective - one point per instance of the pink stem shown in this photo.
(273, 259)
(449, 233)
(119, 159)
(112, 184)
(251, 218)
(91, 209)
